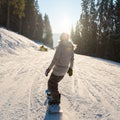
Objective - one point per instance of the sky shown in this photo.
(63, 14)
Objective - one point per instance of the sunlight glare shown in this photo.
(65, 24)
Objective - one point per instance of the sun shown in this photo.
(65, 24)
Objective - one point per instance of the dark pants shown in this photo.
(53, 86)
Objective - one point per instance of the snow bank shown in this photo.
(12, 43)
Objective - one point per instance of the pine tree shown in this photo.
(93, 28)
(33, 22)
(8, 14)
(117, 17)
(18, 9)
(29, 22)
(72, 34)
(116, 35)
(85, 26)
(3, 13)
(39, 24)
(77, 38)
(39, 28)
(47, 32)
(102, 27)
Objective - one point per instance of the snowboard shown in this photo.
(52, 109)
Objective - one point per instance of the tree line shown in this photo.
(24, 17)
(97, 32)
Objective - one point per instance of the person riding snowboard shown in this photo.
(62, 63)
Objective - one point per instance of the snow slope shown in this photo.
(92, 93)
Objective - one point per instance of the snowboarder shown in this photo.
(62, 63)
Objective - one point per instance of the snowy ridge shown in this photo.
(92, 93)
(10, 41)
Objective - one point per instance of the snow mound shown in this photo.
(12, 43)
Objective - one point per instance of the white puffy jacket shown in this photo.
(63, 58)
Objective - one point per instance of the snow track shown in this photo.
(92, 93)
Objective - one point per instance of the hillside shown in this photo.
(92, 93)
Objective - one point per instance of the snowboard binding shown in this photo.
(50, 99)
(53, 105)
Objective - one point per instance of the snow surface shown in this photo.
(92, 93)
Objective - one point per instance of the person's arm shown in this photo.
(54, 60)
(70, 70)
(72, 60)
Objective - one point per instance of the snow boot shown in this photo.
(55, 102)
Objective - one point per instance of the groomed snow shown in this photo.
(92, 93)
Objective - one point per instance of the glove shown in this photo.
(47, 71)
(70, 72)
